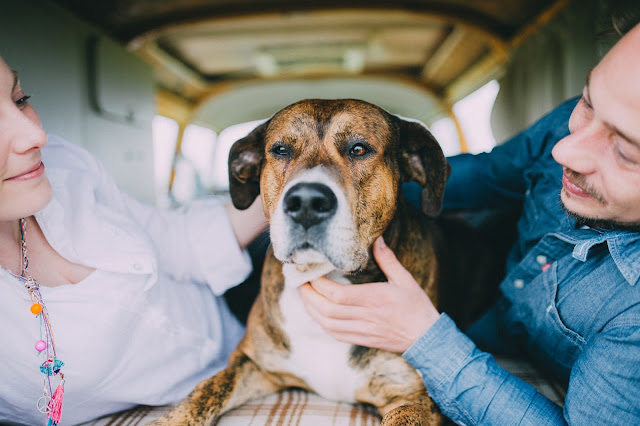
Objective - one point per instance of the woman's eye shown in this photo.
(22, 102)
(281, 151)
(358, 150)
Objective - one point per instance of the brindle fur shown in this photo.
(407, 152)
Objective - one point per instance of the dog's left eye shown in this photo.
(281, 150)
(358, 150)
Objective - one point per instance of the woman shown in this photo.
(105, 302)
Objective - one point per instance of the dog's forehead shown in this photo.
(320, 116)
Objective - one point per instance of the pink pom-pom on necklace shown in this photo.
(41, 345)
(54, 407)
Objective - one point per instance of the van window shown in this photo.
(193, 165)
(165, 136)
(474, 114)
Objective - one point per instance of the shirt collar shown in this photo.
(625, 251)
(624, 247)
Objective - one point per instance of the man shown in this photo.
(570, 298)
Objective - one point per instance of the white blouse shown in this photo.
(148, 324)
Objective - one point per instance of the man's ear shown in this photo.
(421, 160)
(245, 165)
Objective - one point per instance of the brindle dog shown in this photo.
(330, 173)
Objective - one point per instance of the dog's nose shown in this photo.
(310, 203)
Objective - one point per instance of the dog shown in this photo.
(330, 174)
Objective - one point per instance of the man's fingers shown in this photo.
(337, 326)
(324, 306)
(344, 294)
(389, 263)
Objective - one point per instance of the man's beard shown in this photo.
(593, 222)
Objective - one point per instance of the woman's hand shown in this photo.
(387, 315)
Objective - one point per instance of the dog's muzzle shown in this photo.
(313, 224)
(309, 203)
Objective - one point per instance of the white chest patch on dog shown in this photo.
(316, 357)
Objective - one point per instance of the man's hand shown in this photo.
(387, 315)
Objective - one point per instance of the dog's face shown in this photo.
(329, 172)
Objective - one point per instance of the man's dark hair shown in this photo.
(621, 19)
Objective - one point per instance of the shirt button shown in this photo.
(137, 266)
(541, 259)
(518, 283)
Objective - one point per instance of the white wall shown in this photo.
(48, 48)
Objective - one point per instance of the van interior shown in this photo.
(160, 89)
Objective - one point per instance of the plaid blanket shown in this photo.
(301, 408)
(290, 407)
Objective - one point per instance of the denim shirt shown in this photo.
(570, 298)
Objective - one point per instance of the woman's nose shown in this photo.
(26, 131)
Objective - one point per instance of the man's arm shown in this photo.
(470, 387)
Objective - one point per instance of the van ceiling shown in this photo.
(201, 49)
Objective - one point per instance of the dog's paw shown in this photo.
(419, 414)
(171, 420)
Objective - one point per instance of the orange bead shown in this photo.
(36, 308)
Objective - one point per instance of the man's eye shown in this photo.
(22, 102)
(622, 155)
(281, 150)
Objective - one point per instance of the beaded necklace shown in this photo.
(50, 403)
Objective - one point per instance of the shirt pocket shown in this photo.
(561, 343)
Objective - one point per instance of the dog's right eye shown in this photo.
(280, 151)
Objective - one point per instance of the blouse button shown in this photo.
(518, 283)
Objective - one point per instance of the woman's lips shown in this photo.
(572, 188)
(30, 174)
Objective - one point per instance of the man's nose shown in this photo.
(310, 203)
(583, 149)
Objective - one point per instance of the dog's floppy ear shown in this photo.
(245, 165)
(421, 160)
